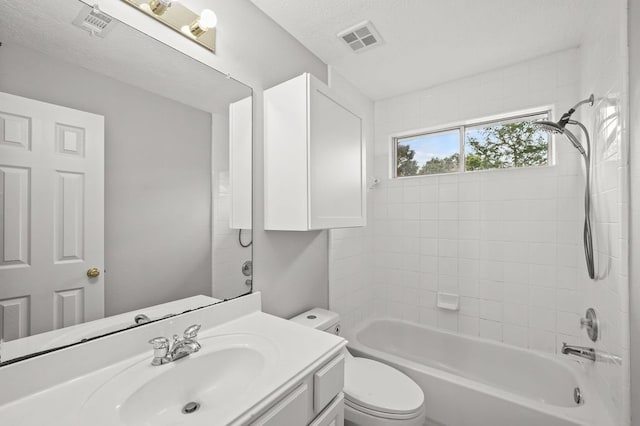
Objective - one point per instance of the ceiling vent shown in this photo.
(92, 20)
(361, 37)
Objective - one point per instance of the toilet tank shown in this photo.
(320, 319)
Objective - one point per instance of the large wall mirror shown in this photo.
(125, 179)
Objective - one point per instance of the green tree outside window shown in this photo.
(494, 146)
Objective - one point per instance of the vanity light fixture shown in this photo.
(159, 7)
(205, 22)
(200, 28)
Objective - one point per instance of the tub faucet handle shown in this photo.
(586, 322)
(590, 323)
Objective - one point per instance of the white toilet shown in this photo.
(375, 393)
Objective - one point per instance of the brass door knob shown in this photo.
(93, 273)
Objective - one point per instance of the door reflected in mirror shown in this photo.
(125, 180)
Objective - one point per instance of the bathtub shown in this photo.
(469, 381)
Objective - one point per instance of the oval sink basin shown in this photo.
(202, 388)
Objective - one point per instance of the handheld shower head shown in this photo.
(549, 126)
(560, 128)
(575, 142)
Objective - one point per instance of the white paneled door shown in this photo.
(51, 217)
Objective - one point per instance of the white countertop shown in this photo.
(75, 333)
(299, 351)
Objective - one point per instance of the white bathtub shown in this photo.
(473, 382)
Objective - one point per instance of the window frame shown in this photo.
(461, 128)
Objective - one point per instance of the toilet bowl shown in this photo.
(375, 394)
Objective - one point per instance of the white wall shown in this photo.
(157, 191)
(634, 247)
(351, 269)
(604, 72)
(289, 268)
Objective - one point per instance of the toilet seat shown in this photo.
(380, 390)
(380, 414)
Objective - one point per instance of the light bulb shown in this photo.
(203, 23)
(208, 19)
(186, 30)
(159, 7)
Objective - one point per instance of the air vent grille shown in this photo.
(361, 37)
(94, 21)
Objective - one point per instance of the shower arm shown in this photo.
(590, 100)
(566, 117)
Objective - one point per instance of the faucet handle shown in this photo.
(586, 322)
(192, 331)
(160, 350)
(159, 343)
(590, 323)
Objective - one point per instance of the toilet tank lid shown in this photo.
(317, 318)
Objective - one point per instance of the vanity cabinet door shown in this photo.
(292, 410)
(327, 383)
(333, 415)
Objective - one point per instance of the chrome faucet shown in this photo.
(163, 352)
(143, 319)
(581, 351)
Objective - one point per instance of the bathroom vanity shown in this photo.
(252, 369)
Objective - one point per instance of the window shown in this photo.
(498, 144)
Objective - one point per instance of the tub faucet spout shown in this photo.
(581, 351)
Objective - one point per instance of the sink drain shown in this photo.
(577, 396)
(190, 407)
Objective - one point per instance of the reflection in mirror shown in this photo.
(125, 178)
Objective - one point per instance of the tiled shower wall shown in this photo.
(604, 67)
(508, 242)
(228, 255)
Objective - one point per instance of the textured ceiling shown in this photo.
(125, 54)
(428, 42)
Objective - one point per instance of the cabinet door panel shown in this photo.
(333, 415)
(336, 164)
(327, 383)
(292, 410)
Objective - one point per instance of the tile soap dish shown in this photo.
(448, 301)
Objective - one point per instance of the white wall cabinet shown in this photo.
(314, 158)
